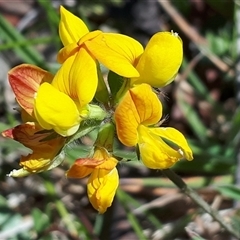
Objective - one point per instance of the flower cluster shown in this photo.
(56, 109)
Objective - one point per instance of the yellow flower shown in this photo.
(44, 145)
(56, 110)
(103, 181)
(117, 52)
(159, 63)
(135, 116)
(44, 100)
(26, 81)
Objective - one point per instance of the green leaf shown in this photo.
(41, 220)
(102, 94)
(115, 82)
(230, 191)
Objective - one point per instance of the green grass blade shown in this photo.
(131, 217)
(10, 35)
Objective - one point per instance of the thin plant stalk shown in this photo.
(199, 201)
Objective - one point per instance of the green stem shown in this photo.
(199, 201)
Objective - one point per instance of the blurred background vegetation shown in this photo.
(203, 103)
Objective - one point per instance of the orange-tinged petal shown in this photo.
(117, 52)
(101, 159)
(161, 60)
(78, 77)
(29, 134)
(25, 80)
(44, 145)
(101, 187)
(139, 105)
(8, 133)
(147, 104)
(177, 138)
(155, 153)
(67, 52)
(71, 28)
(109, 164)
(56, 110)
(82, 167)
(127, 121)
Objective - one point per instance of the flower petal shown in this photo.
(82, 167)
(55, 110)
(161, 60)
(146, 102)
(127, 121)
(39, 160)
(78, 77)
(177, 138)
(84, 76)
(139, 105)
(43, 151)
(66, 52)
(117, 52)
(155, 153)
(71, 28)
(30, 134)
(25, 80)
(101, 187)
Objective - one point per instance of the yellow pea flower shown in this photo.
(31, 135)
(135, 117)
(101, 188)
(160, 61)
(103, 181)
(44, 100)
(157, 65)
(117, 52)
(62, 105)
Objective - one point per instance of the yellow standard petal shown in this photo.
(177, 138)
(117, 52)
(71, 28)
(127, 121)
(147, 104)
(139, 105)
(78, 77)
(161, 60)
(101, 188)
(155, 153)
(55, 110)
